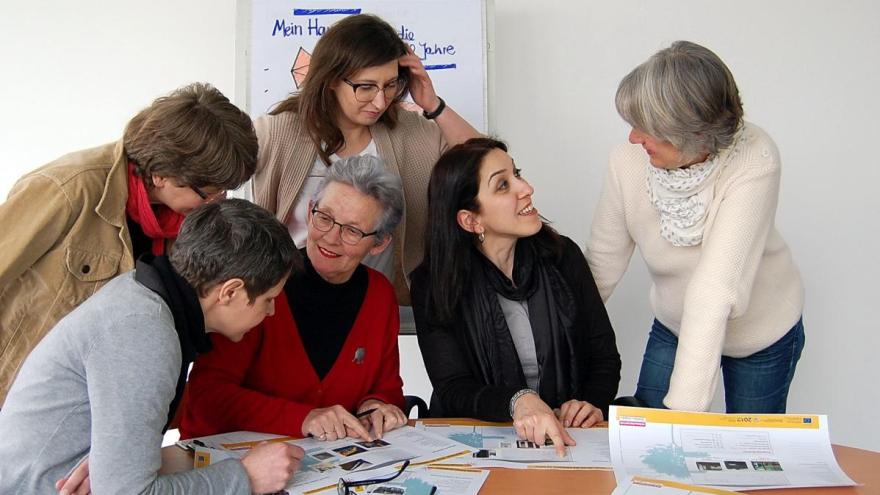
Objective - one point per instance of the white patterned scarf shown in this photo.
(682, 196)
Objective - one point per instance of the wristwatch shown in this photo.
(437, 111)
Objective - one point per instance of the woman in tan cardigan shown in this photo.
(350, 104)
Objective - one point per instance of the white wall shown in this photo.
(74, 72)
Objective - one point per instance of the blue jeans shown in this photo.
(753, 384)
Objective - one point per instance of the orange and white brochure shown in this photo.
(727, 451)
(325, 462)
(648, 486)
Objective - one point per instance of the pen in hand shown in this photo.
(365, 412)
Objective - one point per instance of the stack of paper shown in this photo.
(351, 459)
(733, 451)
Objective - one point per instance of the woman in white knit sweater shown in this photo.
(696, 191)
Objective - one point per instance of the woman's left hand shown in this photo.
(579, 414)
(420, 86)
(386, 417)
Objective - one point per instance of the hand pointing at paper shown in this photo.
(535, 421)
(332, 423)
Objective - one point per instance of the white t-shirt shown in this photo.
(297, 222)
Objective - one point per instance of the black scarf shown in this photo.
(552, 312)
(157, 274)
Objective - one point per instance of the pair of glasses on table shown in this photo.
(345, 487)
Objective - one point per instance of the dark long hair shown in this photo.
(352, 44)
(454, 185)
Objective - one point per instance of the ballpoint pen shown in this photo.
(365, 412)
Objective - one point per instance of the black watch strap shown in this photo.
(437, 111)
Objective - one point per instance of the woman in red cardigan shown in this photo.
(330, 350)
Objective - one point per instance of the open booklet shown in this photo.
(732, 451)
(499, 446)
(326, 462)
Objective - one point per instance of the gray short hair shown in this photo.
(234, 238)
(369, 176)
(685, 95)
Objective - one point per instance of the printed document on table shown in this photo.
(499, 446)
(455, 481)
(648, 486)
(325, 462)
(733, 451)
(428, 480)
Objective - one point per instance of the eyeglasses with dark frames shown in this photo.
(366, 92)
(206, 196)
(350, 234)
(345, 487)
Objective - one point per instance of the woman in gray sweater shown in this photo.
(100, 384)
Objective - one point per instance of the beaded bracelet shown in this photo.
(517, 395)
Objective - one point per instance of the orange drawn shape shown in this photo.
(300, 66)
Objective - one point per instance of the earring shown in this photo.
(481, 237)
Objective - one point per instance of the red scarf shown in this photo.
(163, 223)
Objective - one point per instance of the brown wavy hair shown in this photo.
(352, 44)
(195, 135)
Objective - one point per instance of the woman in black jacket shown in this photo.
(510, 323)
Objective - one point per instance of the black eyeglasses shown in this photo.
(208, 197)
(344, 487)
(366, 92)
(350, 235)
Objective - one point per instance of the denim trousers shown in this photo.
(757, 383)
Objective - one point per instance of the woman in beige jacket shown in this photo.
(75, 223)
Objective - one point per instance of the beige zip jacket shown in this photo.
(63, 234)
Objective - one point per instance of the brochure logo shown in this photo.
(632, 421)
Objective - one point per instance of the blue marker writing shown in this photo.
(326, 11)
(440, 67)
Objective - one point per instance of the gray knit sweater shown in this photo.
(100, 384)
